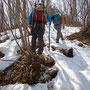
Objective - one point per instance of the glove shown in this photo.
(30, 26)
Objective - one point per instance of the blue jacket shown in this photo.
(47, 16)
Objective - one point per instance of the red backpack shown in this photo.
(39, 13)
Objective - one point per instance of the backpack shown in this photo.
(56, 17)
(39, 13)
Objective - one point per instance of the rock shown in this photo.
(53, 73)
(53, 48)
(80, 44)
(48, 61)
(68, 53)
(1, 55)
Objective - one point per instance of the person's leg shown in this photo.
(34, 37)
(62, 36)
(40, 37)
(59, 34)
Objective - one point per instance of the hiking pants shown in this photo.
(57, 26)
(59, 33)
(37, 31)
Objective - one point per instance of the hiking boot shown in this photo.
(62, 38)
(33, 51)
(57, 40)
(40, 56)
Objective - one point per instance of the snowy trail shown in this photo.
(73, 73)
(69, 73)
(10, 50)
(70, 68)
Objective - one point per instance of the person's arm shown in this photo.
(62, 21)
(48, 18)
(30, 20)
(52, 18)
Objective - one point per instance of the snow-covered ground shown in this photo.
(73, 73)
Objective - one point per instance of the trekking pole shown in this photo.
(49, 37)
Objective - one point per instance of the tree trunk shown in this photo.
(74, 10)
(88, 28)
(25, 26)
(18, 7)
(2, 17)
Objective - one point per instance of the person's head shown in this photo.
(52, 17)
(39, 5)
(59, 14)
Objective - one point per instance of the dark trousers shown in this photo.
(37, 31)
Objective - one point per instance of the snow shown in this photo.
(73, 73)
(25, 87)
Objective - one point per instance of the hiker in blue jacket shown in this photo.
(58, 21)
(37, 20)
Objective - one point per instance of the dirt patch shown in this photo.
(81, 36)
(1, 55)
(30, 70)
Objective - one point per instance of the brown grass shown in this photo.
(27, 70)
(81, 36)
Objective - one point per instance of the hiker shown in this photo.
(58, 22)
(37, 20)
